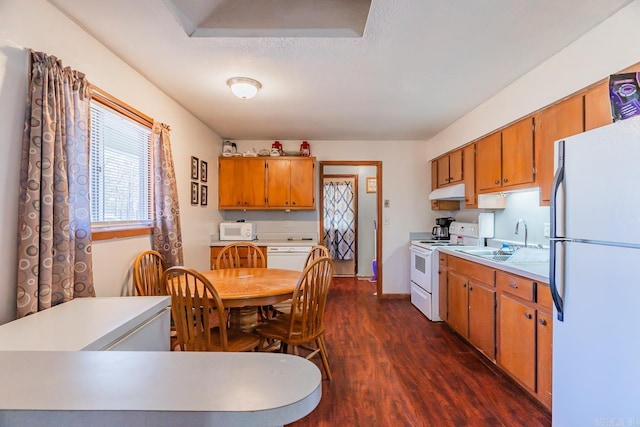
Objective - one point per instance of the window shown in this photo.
(120, 166)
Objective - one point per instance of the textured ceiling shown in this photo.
(419, 65)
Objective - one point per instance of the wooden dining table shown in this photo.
(243, 290)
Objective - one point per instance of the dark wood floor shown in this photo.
(393, 367)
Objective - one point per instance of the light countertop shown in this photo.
(134, 388)
(80, 324)
(270, 242)
(532, 270)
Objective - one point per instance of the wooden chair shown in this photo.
(240, 254)
(284, 307)
(147, 273)
(305, 323)
(199, 314)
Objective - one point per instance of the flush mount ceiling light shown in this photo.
(244, 87)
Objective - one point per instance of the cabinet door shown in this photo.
(455, 167)
(469, 173)
(482, 318)
(279, 182)
(545, 345)
(443, 171)
(434, 174)
(303, 188)
(230, 182)
(597, 106)
(458, 302)
(488, 163)
(442, 287)
(517, 153)
(558, 121)
(516, 343)
(253, 189)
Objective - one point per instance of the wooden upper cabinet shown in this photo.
(291, 183)
(517, 154)
(450, 168)
(303, 183)
(455, 166)
(241, 182)
(258, 183)
(489, 162)
(556, 122)
(469, 173)
(597, 106)
(504, 160)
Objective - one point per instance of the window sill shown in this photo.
(119, 233)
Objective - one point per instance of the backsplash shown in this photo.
(278, 225)
(522, 205)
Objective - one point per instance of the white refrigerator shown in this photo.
(595, 277)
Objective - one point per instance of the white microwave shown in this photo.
(237, 231)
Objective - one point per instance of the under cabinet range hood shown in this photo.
(451, 192)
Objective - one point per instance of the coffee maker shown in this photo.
(441, 230)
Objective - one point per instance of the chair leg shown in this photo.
(323, 355)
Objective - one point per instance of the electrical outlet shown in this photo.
(387, 203)
(547, 230)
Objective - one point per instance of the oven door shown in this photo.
(421, 267)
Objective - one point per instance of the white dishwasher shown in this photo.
(287, 257)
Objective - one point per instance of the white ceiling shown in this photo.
(419, 65)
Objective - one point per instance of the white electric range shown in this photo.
(424, 262)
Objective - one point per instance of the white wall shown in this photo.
(35, 24)
(607, 49)
(404, 184)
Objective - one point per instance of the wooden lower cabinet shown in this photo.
(215, 250)
(458, 302)
(482, 318)
(505, 316)
(517, 341)
(471, 303)
(544, 357)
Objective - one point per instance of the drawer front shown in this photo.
(516, 285)
(544, 298)
(472, 270)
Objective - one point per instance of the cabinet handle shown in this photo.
(470, 288)
(505, 180)
(528, 315)
(513, 285)
(293, 203)
(464, 285)
(543, 322)
(497, 181)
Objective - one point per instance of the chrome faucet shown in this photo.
(525, 229)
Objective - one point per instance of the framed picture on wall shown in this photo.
(194, 167)
(204, 193)
(203, 171)
(194, 193)
(371, 184)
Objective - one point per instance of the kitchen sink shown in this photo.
(528, 255)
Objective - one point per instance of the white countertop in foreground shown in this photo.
(157, 389)
(270, 242)
(532, 270)
(80, 324)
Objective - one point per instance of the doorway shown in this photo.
(340, 219)
(367, 175)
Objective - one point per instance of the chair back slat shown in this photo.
(316, 252)
(310, 299)
(194, 305)
(232, 255)
(147, 273)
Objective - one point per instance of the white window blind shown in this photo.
(121, 192)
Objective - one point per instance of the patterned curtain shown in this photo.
(167, 237)
(54, 247)
(339, 219)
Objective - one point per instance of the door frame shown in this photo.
(378, 165)
(354, 177)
